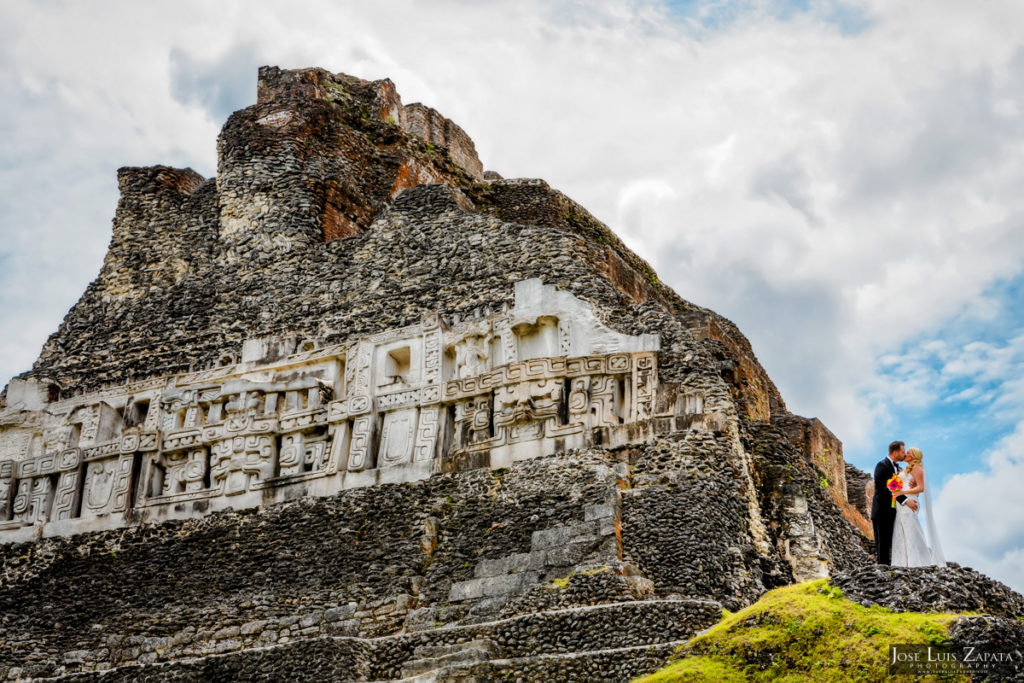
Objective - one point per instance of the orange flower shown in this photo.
(895, 484)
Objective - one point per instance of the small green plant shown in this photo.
(391, 120)
(562, 582)
(830, 591)
(933, 634)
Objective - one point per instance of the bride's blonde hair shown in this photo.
(914, 456)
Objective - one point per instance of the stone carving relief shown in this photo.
(397, 437)
(241, 463)
(183, 471)
(471, 356)
(518, 383)
(107, 485)
(359, 457)
(32, 503)
(303, 452)
(6, 488)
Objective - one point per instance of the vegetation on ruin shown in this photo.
(563, 582)
(807, 631)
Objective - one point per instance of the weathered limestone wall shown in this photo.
(820, 447)
(429, 124)
(812, 531)
(613, 642)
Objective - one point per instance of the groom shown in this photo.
(883, 514)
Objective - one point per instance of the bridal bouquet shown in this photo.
(895, 485)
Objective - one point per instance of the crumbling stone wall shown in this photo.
(610, 642)
(814, 533)
(859, 490)
(686, 522)
(429, 124)
(820, 447)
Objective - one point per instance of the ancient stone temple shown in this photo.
(355, 409)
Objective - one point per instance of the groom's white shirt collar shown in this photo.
(895, 466)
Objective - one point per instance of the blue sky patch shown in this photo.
(717, 15)
(968, 374)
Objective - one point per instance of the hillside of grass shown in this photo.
(807, 631)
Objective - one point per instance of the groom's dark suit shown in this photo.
(883, 514)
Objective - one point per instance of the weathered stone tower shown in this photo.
(355, 409)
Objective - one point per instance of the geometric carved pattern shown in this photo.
(359, 455)
(184, 471)
(302, 452)
(66, 496)
(107, 485)
(426, 436)
(241, 463)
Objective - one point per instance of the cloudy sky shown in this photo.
(841, 179)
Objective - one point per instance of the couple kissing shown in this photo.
(899, 539)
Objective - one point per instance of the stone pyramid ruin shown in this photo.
(356, 409)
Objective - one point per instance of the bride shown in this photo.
(909, 546)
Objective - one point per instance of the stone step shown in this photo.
(608, 665)
(472, 655)
(428, 677)
(429, 651)
(535, 641)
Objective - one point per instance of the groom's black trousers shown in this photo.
(883, 538)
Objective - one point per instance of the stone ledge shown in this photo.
(614, 664)
(567, 634)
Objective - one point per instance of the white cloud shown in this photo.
(937, 370)
(980, 515)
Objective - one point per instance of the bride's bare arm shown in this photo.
(918, 473)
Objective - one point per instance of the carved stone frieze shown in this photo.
(541, 377)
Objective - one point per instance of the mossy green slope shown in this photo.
(807, 631)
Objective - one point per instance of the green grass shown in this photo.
(564, 581)
(807, 631)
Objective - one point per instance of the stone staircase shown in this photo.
(435, 661)
(611, 664)
(606, 642)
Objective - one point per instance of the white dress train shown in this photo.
(910, 548)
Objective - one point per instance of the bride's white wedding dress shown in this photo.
(910, 548)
